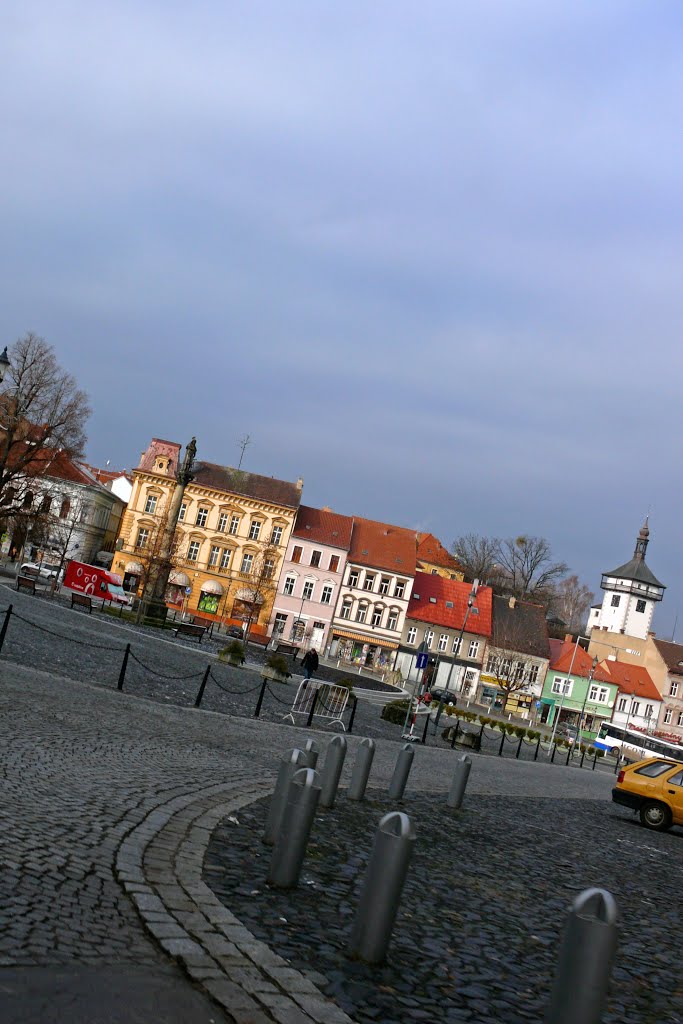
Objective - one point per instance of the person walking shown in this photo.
(310, 663)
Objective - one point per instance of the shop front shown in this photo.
(358, 649)
(176, 588)
(210, 598)
(132, 575)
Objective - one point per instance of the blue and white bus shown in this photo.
(630, 744)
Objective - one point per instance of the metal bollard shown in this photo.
(459, 784)
(311, 751)
(290, 845)
(361, 770)
(382, 887)
(291, 762)
(332, 769)
(401, 771)
(586, 955)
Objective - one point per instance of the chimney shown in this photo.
(300, 483)
(326, 508)
(568, 638)
(512, 601)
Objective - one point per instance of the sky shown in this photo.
(426, 255)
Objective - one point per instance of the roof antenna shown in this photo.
(673, 635)
(243, 443)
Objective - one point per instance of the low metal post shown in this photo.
(361, 770)
(401, 772)
(538, 747)
(382, 888)
(519, 748)
(332, 769)
(354, 706)
(616, 767)
(424, 731)
(290, 763)
(569, 754)
(5, 624)
(202, 686)
(552, 757)
(502, 744)
(312, 711)
(311, 751)
(579, 992)
(461, 774)
(595, 759)
(259, 702)
(583, 754)
(292, 840)
(122, 673)
(454, 734)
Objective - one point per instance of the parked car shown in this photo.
(236, 631)
(440, 693)
(41, 571)
(567, 732)
(654, 788)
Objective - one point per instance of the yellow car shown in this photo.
(654, 788)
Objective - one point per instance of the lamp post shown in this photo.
(559, 710)
(583, 707)
(470, 602)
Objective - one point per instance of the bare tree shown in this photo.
(261, 582)
(61, 527)
(527, 569)
(571, 601)
(43, 413)
(158, 556)
(518, 644)
(478, 556)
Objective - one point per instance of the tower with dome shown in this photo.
(631, 593)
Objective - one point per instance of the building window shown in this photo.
(400, 588)
(474, 649)
(202, 516)
(384, 584)
(254, 529)
(377, 614)
(225, 558)
(392, 621)
(298, 629)
(429, 638)
(268, 568)
(353, 578)
(193, 550)
(443, 642)
(457, 645)
(369, 581)
(276, 535)
(326, 596)
(151, 504)
(222, 522)
(297, 552)
(668, 715)
(562, 686)
(142, 538)
(640, 605)
(288, 588)
(315, 558)
(247, 562)
(334, 563)
(649, 710)
(680, 718)
(214, 555)
(183, 510)
(412, 633)
(345, 612)
(635, 707)
(598, 694)
(532, 673)
(615, 600)
(307, 592)
(361, 613)
(280, 623)
(621, 706)
(234, 525)
(64, 510)
(674, 689)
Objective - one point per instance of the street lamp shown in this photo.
(559, 710)
(470, 602)
(4, 364)
(583, 707)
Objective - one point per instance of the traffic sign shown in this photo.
(422, 659)
(188, 590)
(538, 703)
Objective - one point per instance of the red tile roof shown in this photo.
(672, 655)
(631, 679)
(107, 476)
(323, 526)
(580, 662)
(428, 603)
(430, 549)
(382, 546)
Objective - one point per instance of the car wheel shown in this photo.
(655, 816)
(614, 751)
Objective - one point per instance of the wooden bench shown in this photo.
(26, 583)
(190, 629)
(207, 624)
(82, 601)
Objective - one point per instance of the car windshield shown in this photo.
(115, 589)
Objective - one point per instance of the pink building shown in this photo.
(311, 577)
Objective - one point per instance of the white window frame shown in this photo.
(562, 686)
(202, 516)
(276, 535)
(326, 594)
(307, 590)
(225, 558)
(214, 555)
(193, 549)
(234, 524)
(345, 610)
(668, 715)
(223, 522)
(443, 642)
(151, 504)
(429, 638)
(473, 649)
(392, 619)
(255, 529)
(289, 585)
(247, 563)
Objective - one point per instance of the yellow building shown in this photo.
(231, 538)
(432, 557)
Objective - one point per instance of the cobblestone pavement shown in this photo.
(487, 895)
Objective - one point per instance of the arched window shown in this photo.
(65, 509)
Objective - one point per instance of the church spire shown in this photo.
(642, 542)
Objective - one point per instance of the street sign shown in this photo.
(538, 703)
(422, 659)
(188, 590)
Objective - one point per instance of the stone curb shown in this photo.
(159, 864)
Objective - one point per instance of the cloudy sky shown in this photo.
(427, 255)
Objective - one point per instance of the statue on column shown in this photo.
(185, 474)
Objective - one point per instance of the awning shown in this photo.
(106, 557)
(248, 595)
(181, 579)
(373, 641)
(212, 587)
(135, 568)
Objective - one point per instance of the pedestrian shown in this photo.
(310, 663)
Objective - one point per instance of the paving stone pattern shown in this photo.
(488, 892)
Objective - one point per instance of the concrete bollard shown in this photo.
(311, 751)
(290, 846)
(291, 762)
(381, 891)
(590, 940)
(459, 784)
(332, 769)
(361, 770)
(401, 772)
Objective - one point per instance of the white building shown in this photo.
(631, 593)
